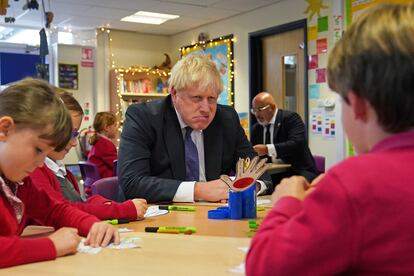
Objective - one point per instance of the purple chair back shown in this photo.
(90, 173)
(320, 163)
(106, 187)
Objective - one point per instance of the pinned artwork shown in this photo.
(321, 46)
(220, 51)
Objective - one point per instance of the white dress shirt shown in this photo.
(185, 192)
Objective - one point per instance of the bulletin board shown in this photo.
(355, 7)
(68, 76)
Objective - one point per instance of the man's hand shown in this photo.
(101, 234)
(214, 191)
(260, 149)
(141, 206)
(66, 241)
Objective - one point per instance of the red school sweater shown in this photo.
(38, 206)
(358, 221)
(103, 154)
(96, 205)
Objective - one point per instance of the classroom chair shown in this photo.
(90, 174)
(106, 187)
(115, 167)
(320, 163)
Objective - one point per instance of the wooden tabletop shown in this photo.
(160, 254)
(213, 250)
(198, 219)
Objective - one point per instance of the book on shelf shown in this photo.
(144, 86)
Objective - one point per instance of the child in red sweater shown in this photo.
(103, 152)
(61, 184)
(34, 122)
(359, 219)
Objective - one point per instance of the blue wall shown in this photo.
(14, 67)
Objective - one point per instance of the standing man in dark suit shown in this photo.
(281, 135)
(175, 149)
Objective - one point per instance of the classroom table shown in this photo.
(215, 249)
(198, 219)
(160, 254)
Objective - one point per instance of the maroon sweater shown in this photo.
(103, 154)
(42, 208)
(358, 221)
(96, 205)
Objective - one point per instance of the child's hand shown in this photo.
(141, 206)
(101, 234)
(294, 186)
(66, 241)
(311, 187)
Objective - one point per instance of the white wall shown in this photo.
(131, 49)
(71, 54)
(125, 49)
(240, 26)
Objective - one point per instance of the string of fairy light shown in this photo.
(121, 71)
(160, 72)
(201, 45)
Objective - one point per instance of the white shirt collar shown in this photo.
(57, 167)
(183, 125)
(272, 121)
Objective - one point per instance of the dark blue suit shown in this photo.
(151, 156)
(289, 138)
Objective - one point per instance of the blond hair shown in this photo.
(196, 70)
(70, 102)
(375, 59)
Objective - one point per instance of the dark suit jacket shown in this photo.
(151, 160)
(289, 138)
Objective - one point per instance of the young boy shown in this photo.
(359, 218)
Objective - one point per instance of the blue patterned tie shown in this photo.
(191, 157)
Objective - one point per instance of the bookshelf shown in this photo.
(134, 85)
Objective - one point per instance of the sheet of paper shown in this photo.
(124, 230)
(153, 211)
(263, 201)
(127, 242)
(82, 248)
(238, 269)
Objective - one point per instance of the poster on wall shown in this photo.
(356, 7)
(316, 118)
(87, 57)
(323, 123)
(68, 76)
(244, 122)
(329, 126)
(220, 50)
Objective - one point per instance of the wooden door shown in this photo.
(283, 69)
